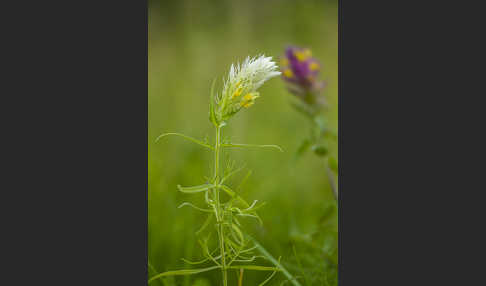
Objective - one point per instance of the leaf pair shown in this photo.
(205, 145)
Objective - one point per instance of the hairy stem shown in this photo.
(219, 214)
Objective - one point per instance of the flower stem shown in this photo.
(219, 214)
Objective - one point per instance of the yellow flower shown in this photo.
(314, 66)
(238, 90)
(288, 73)
(303, 55)
(249, 99)
(237, 93)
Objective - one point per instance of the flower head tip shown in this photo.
(240, 87)
(300, 71)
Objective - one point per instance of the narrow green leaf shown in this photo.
(212, 112)
(270, 277)
(234, 195)
(204, 246)
(249, 249)
(197, 262)
(256, 207)
(195, 189)
(195, 207)
(249, 259)
(182, 272)
(243, 181)
(255, 267)
(230, 174)
(291, 278)
(186, 137)
(151, 267)
(205, 224)
(247, 215)
(252, 146)
(242, 201)
(194, 262)
(207, 199)
(238, 232)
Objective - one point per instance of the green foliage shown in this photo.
(315, 254)
(204, 144)
(189, 42)
(317, 258)
(182, 272)
(233, 244)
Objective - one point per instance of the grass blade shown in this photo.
(275, 262)
(182, 272)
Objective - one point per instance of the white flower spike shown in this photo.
(240, 88)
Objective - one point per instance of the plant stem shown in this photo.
(219, 214)
(216, 152)
(240, 280)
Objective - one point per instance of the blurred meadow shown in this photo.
(189, 44)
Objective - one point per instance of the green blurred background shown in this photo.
(189, 44)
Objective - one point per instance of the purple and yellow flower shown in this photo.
(300, 71)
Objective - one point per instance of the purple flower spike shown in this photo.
(300, 71)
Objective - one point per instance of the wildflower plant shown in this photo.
(300, 72)
(318, 249)
(224, 206)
